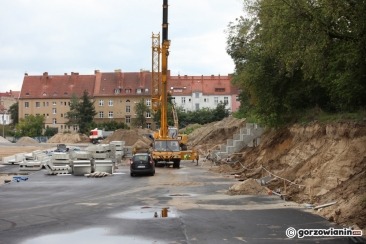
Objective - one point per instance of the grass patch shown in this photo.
(318, 115)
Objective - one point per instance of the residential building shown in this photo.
(7, 99)
(196, 92)
(50, 95)
(115, 95)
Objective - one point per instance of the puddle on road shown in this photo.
(146, 212)
(90, 236)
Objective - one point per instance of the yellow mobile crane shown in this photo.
(166, 146)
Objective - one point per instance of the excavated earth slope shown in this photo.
(323, 163)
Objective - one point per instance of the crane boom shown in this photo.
(167, 145)
(164, 73)
(155, 72)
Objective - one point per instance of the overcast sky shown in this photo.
(64, 36)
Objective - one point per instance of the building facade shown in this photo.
(115, 95)
(197, 92)
(7, 99)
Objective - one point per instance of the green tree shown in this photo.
(73, 114)
(220, 112)
(293, 55)
(141, 109)
(86, 113)
(50, 131)
(30, 126)
(14, 111)
(81, 112)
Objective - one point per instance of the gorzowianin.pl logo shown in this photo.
(301, 233)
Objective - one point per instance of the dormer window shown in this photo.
(117, 91)
(128, 90)
(219, 89)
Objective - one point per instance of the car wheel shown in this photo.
(132, 174)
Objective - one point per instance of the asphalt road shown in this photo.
(120, 209)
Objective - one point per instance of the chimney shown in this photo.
(25, 74)
(45, 74)
(97, 71)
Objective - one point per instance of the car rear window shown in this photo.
(140, 157)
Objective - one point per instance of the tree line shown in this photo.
(292, 56)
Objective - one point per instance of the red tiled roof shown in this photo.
(13, 94)
(208, 85)
(57, 86)
(107, 83)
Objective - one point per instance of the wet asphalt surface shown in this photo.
(120, 209)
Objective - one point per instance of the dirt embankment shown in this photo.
(323, 163)
(211, 136)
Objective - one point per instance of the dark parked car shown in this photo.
(142, 163)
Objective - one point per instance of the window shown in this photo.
(148, 125)
(219, 89)
(197, 106)
(26, 104)
(44, 104)
(138, 91)
(54, 103)
(183, 100)
(110, 103)
(54, 121)
(197, 94)
(148, 115)
(226, 100)
(128, 90)
(61, 103)
(75, 127)
(205, 100)
(47, 104)
(146, 90)
(148, 102)
(101, 114)
(54, 110)
(38, 104)
(110, 114)
(117, 91)
(62, 115)
(216, 100)
(128, 109)
(26, 115)
(101, 103)
(128, 119)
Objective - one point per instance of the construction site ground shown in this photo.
(310, 164)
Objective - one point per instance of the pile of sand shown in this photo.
(142, 145)
(68, 138)
(247, 187)
(25, 140)
(130, 137)
(3, 140)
